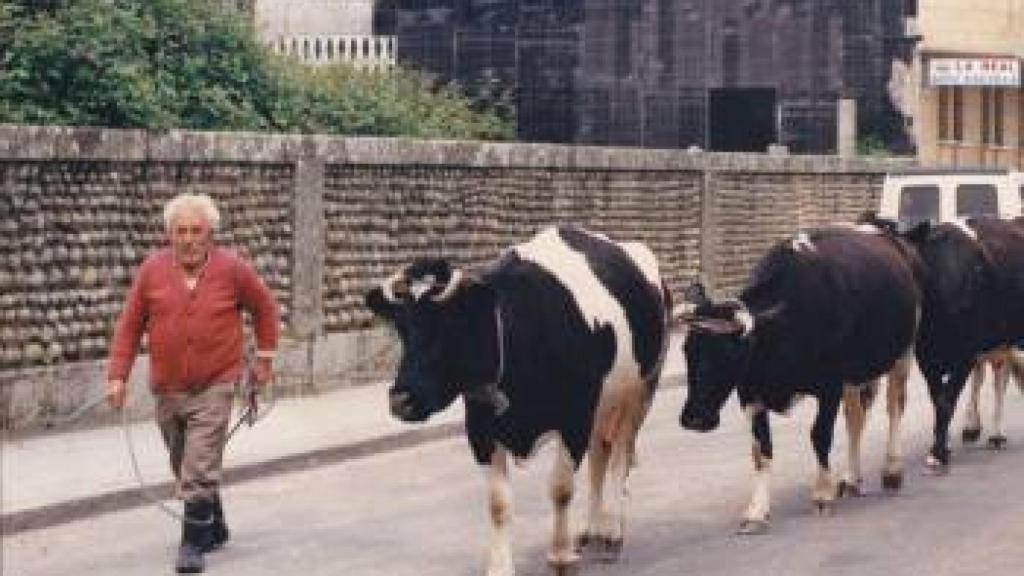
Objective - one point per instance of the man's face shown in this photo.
(191, 237)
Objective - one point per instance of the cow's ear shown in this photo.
(380, 305)
(696, 294)
(919, 232)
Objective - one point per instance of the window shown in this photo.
(919, 204)
(943, 113)
(986, 115)
(976, 200)
(958, 113)
(998, 117)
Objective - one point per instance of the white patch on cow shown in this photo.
(962, 225)
(802, 243)
(760, 501)
(797, 398)
(746, 319)
(499, 561)
(862, 227)
(419, 286)
(596, 305)
(867, 229)
(645, 260)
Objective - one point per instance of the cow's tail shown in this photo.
(651, 380)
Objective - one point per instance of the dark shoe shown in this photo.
(196, 537)
(190, 559)
(219, 533)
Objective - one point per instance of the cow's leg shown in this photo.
(597, 466)
(896, 403)
(972, 428)
(944, 392)
(1001, 378)
(755, 519)
(856, 403)
(562, 556)
(500, 556)
(623, 440)
(824, 493)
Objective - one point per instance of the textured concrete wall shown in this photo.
(324, 219)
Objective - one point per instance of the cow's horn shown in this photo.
(395, 284)
(684, 311)
(452, 286)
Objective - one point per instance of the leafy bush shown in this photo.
(161, 64)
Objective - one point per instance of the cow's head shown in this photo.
(718, 346)
(444, 318)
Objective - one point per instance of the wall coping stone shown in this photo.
(48, 143)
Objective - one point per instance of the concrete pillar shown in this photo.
(309, 229)
(846, 137)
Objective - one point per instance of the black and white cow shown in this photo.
(564, 334)
(824, 314)
(973, 304)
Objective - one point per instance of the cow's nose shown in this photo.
(400, 404)
(699, 423)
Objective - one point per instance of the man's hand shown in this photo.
(262, 372)
(117, 393)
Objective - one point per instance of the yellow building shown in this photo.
(968, 77)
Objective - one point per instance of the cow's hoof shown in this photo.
(970, 435)
(609, 550)
(824, 508)
(892, 481)
(935, 467)
(997, 442)
(753, 527)
(849, 488)
(565, 569)
(563, 563)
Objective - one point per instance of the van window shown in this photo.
(976, 200)
(918, 204)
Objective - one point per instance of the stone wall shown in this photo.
(324, 219)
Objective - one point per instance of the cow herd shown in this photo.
(563, 337)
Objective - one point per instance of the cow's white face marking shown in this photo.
(419, 286)
(962, 225)
(802, 243)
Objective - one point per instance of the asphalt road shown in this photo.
(421, 512)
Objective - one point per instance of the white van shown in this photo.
(940, 195)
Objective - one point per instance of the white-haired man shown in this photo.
(188, 298)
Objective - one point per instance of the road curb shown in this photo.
(72, 510)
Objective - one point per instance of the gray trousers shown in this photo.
(194, 427)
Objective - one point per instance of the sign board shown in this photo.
(992, 71)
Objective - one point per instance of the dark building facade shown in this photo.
(716, 74)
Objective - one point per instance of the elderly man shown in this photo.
(188, 298)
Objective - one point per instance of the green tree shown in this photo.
(162, 64)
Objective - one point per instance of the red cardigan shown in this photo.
(195, 336)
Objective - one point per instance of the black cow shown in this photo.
(824, 314)
(973, 304)
(564, 334)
